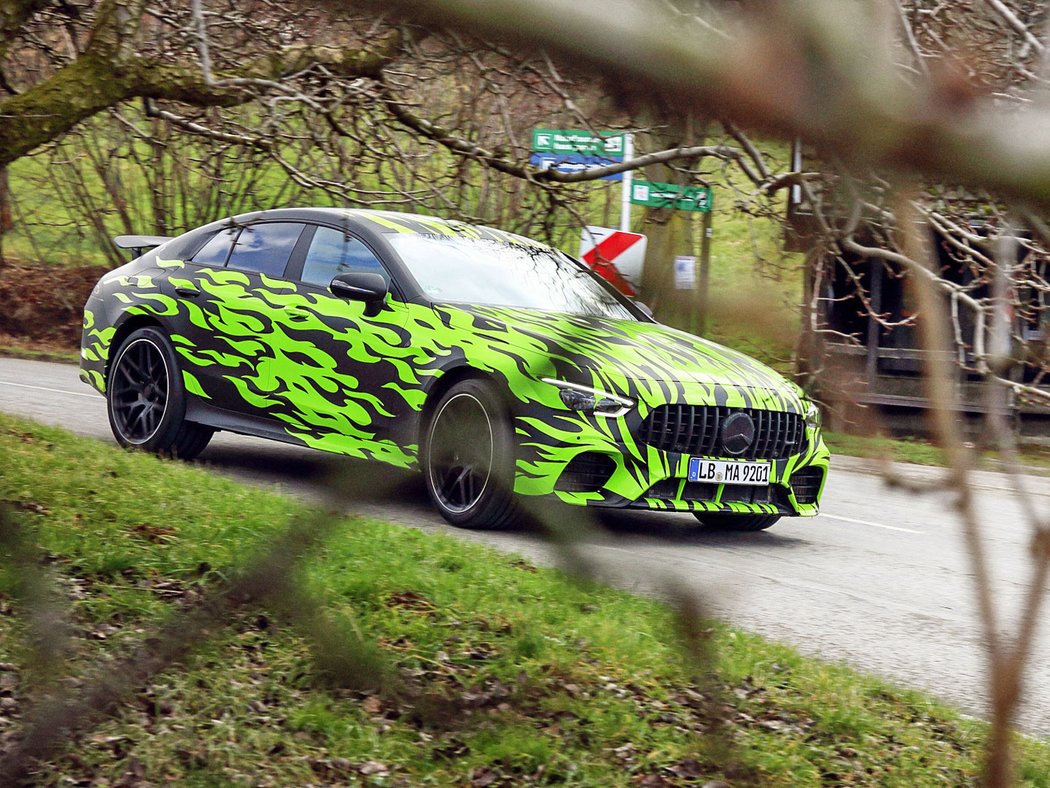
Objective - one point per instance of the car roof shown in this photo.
(389, 223)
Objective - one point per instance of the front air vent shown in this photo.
(742, 493)
(587, 472)
(697, 430)
(672, 490)
(806, 484)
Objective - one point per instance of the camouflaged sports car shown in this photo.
(500, 366)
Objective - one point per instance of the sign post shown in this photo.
(705, 273)
(576, 150)
(628, 180)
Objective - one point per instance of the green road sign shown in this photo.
(670, 195)
(609, 143)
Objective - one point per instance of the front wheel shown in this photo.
(146, 399)
(468, 458)
(726, 521)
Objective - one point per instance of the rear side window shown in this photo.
(332, 252)
(217, 249)
(265, 248)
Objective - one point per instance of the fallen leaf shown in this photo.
(373, 767)
(410, 600)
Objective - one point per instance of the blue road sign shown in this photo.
(575, 162)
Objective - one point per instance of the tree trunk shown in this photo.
(6, 221)
(670, 234)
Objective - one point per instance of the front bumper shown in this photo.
(95, 345)
(591, 461)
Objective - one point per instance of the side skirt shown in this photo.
(240, 423)
(386, 451)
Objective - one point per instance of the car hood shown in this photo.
(622, 354)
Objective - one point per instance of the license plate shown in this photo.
(721, 472)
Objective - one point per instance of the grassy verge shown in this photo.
(912, 450)
(57, 354)
(923, 452)
(539, 680)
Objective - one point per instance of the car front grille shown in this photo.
(806, 484)
(697, 430)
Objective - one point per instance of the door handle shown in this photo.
(298, 315)
(187, 291)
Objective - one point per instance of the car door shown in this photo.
(344, 377)
(232, 296)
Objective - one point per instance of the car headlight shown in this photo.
(813, 417)
(588, 400)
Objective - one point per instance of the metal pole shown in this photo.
(705, 267)
(873, 325)
(625, 205)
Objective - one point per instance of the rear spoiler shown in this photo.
(140, 243)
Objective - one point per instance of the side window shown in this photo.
(265, 248)
(332, 252)
(217, 249)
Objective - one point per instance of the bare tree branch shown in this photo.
(754, 76)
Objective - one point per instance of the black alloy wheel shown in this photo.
(461, 452)
(468, 459)
(139, 389)
(727, 521)
(147, 400)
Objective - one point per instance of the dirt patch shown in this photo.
(44, 304)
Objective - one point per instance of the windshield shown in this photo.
(487, 272)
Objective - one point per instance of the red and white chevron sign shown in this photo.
(615, 255)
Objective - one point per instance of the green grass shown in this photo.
(508, 673)
(914, 450)
(40, 354)
(924, 452)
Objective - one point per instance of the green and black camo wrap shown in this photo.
(329, 377)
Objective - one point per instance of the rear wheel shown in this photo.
(726, 521)
(146, 398)
(468, 458)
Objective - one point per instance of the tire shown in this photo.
(724, 521)
(146, 399)
(468, 458)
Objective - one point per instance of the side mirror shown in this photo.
(645, 310)
(362, 286)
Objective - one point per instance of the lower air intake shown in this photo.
(806, 484)
(587, 472)
(671, 490)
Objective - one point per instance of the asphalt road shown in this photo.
(880, 580)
